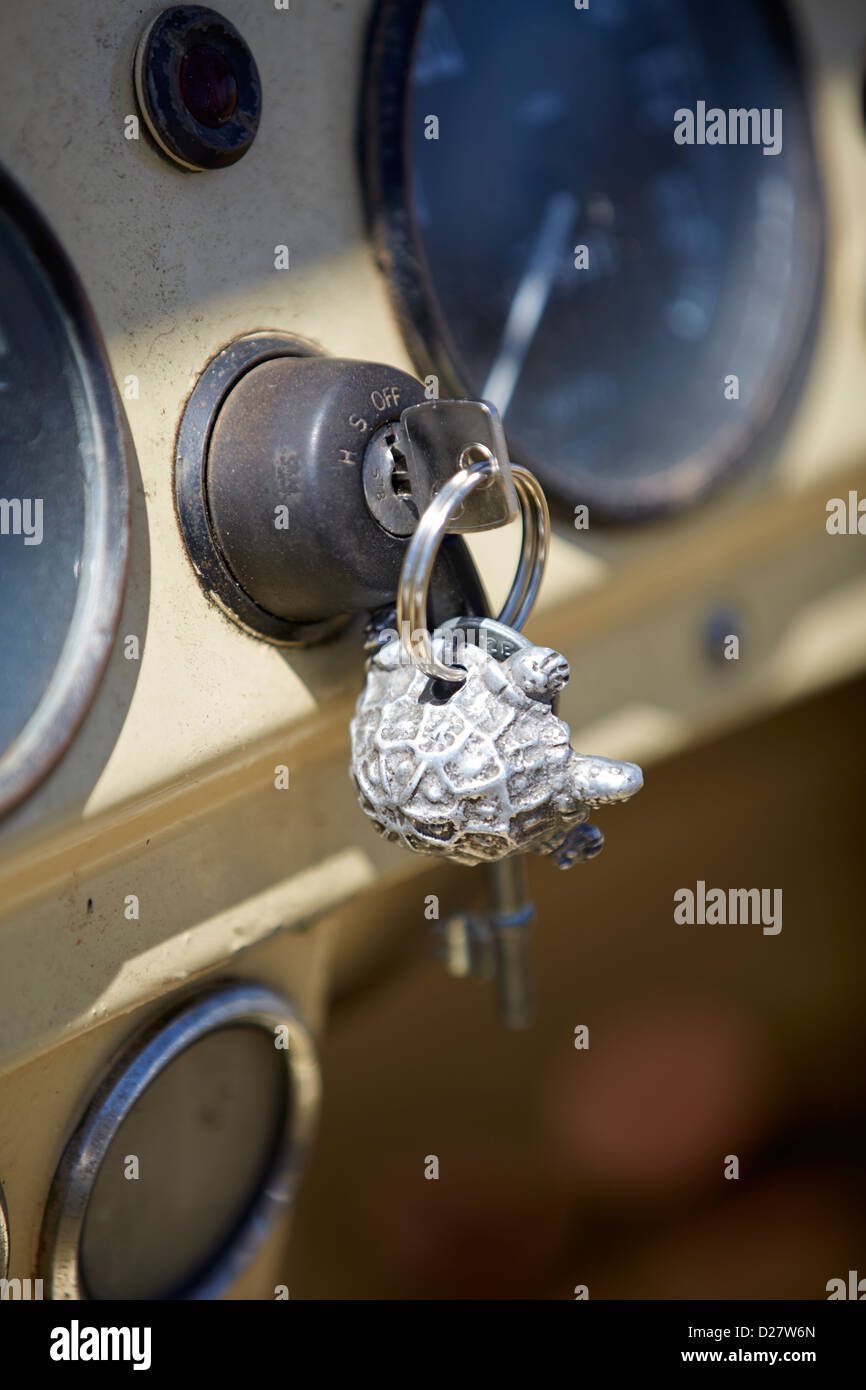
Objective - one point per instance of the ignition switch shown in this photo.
(270, 486)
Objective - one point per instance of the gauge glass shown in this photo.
(634, 305)
(63, 500)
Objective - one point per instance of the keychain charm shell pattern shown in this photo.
(483, 769)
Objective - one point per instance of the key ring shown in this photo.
(428, 535)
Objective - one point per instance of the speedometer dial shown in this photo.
(64, 500)
(606, 221)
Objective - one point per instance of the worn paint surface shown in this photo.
(168, 791)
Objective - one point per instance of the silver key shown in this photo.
(495, 945)
(408, 461)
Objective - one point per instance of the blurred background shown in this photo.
(605, 1167)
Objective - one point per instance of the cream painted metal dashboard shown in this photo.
(166, 795)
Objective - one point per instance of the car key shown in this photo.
(457, 750)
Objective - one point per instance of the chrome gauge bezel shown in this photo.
(399, 251)
(140, 1062)
(89, 639)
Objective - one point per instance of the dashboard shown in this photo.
(637, 228)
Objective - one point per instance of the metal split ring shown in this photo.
(421, 554)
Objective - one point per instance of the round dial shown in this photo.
(63, 500)
(605, 221)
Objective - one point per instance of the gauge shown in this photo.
(63, 500)
(571, 232)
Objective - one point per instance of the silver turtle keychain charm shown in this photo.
(481, 769)
(457, 749)
(467, 759)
